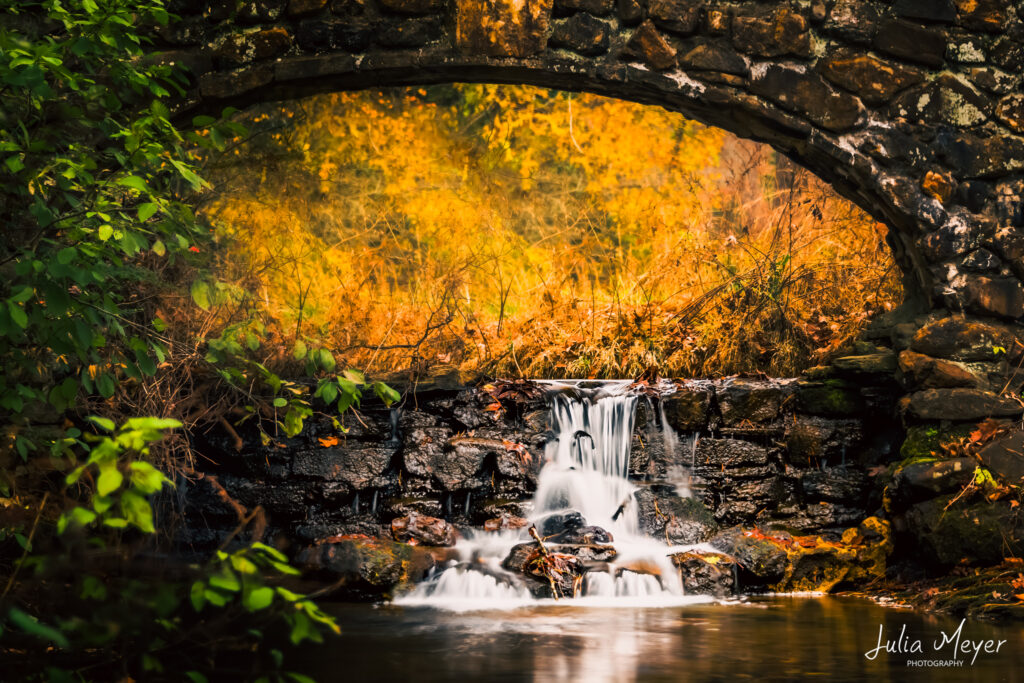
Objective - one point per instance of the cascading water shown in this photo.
(586, 471)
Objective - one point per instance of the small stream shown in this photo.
(768, 639)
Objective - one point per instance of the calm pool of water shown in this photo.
(771, 639)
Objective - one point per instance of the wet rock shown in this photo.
(519, 555)
(959, 404)
(982, 15)
(585, 535)
(560, 523)
(359, 465)
(830, 398)
(555, 574)
(967, 339)
(926, 10)
(874, 80)
(866, 366)
(853, 20)
(811, 440)
(1005, 457)
(676, 16)
(919, 480)
(715, 454)
(847, 485)
(365, 568)
(589, 553)
(705, 573)
(505, 522)
(686, 409)
(998, 296)
(750, 400)
(665, 515)
(582, 34)
(416, 504)
(651, 47)
(978, 533)
(808, 94)
(761, 557)
(925, 372)
(1011, 112)
(421, 529)
(771, 34)
(714, 57)
(911, 42)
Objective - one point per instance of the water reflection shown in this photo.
(769, 639)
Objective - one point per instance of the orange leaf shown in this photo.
(329, 441)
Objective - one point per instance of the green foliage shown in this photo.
(97, 194)
(147, 622)
(93, 195)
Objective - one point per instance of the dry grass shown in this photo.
(477, 226)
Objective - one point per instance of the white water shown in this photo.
(586, 470)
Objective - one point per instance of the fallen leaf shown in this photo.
(328, 441)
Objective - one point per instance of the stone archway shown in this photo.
(912, 109)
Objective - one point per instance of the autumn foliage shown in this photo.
(525, 232)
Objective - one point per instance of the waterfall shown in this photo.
(586, 471)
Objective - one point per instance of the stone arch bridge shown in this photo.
(913, 109)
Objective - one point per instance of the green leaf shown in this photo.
(109, 480)
(34, 627)
(196, 677)
(197, 595)
(299, 350)
(259, 598)
(135, 183)
(137, 510)
(66, 255)
(103, 423)
(201, 294)
(158, 248)
(146, 211)
(17, 314)
(105, 232)
(326, 360)
(280, 402)
(147, 478)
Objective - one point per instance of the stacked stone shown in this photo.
(791, 454)
(443, 454)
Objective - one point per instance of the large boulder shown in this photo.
(926, 478)
(743, 400)
(979, 533)
(1004, 457)
(761, 556)
(420, 529)
(705, 573)
(365, 568)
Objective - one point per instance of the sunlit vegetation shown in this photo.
(521, 231)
